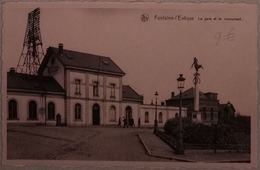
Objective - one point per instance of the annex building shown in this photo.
(79, 89)
(209, 105)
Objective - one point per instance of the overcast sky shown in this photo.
(153, 53)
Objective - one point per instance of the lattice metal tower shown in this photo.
(32, 52)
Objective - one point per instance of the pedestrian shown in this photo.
(133, 122)
(119, 122)
(139, 122)
(124, 122)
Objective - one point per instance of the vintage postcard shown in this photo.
(147, 85)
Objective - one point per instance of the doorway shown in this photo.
(96, 114)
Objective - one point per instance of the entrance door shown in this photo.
(96, 114)
(129, 117)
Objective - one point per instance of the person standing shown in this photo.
(119, 122)
(125, 123)
(139, 122)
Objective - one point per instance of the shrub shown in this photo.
(197, 133)
(171, 126)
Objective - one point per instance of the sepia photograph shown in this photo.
(167, 83)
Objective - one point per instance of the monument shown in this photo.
(196, 115)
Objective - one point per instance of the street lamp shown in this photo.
(155, 117)
(179, 147)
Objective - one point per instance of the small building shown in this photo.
(208, 105)
(226, 112)
(29, 95)
(80, 89)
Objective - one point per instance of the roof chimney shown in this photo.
(173, 94)
(12, 70)
(60, 48)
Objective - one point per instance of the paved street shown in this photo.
(76, 143)
(101, 143)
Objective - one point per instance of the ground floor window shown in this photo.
(194, 116)
(204, 114)
(160, 117)
(112, 114)
(32, 110)
(211, 113)
(77, 111)
(12, 110)
(51, 111)
(146, 117)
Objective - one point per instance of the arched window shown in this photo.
(112, 114)
(51, 111)
(160, 117)
(146, 117)
(32, 110)
(12, 110)
(77, 111)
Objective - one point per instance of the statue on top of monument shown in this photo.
(196, 64)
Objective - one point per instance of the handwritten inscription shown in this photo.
(225, 36)
(219, 37)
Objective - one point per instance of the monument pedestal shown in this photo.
(196, 117)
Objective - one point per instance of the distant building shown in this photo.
(209, 105)
(79, 89)
(226, 112)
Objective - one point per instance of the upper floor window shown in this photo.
(12, 110)
(95, 88)
(77, 86)
(77, 111)
(146, 117)
(160, 117)
(113, 90)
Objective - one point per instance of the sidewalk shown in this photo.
(154, 146)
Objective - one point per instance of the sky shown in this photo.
(155, 52)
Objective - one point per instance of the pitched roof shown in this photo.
(32, 83)
(189, 94)
(130, 94)
(80, 60)
(226, 105)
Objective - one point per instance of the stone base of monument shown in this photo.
(196, 117)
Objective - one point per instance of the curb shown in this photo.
(145, 147)
(186, 160)
(159, 156)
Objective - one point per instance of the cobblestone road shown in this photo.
(76, 143)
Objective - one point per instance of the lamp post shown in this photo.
(155, 117)
(179, 147)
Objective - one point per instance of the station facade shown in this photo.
(79, 89)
